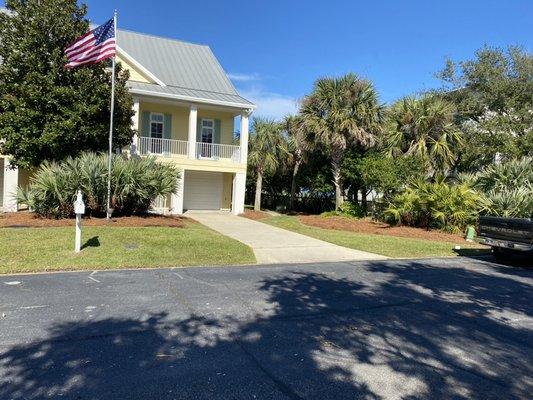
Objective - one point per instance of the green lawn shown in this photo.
(390, 246)
(52, 249)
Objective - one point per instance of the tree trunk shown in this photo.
(293, 184)
(364, 202)
(258, 188)
(337, 178)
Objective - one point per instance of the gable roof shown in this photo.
(185, 69)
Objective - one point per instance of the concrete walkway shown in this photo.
(275, 245)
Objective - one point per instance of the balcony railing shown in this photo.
(218, 151)
(204, 151)
(165, 147)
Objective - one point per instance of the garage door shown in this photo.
(202, 190)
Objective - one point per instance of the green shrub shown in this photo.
(436, 205)
(351, 209)
(347, 209)
(135, 184)
(507, 188)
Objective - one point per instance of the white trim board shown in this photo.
(192, 99)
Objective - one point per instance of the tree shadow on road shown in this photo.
(413, 332)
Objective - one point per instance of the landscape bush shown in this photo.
(507, 187)
(135, 184)
(438, 204)
(347, 209)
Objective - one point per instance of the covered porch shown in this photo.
(174, 129)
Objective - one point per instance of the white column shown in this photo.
(176, 201)
(239, 188)
(193, 117)
(135, 125)
(244, 136)
(11, 180)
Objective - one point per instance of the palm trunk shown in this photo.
(337, 178)
(258, 188)
(293, 184)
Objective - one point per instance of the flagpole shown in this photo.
(109, 166)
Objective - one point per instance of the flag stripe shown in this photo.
(92, 60)
(93, 50)
(78, 41)
(82, 48)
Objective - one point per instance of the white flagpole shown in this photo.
(109, 211)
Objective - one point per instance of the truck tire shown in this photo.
(500, 254)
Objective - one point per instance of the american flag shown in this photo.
(93, 47)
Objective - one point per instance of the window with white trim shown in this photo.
(157, 125)
(208, 130)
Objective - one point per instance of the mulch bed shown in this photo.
(377, 228)
(26, 219)
(255, 215)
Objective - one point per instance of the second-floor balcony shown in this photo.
(180, 148)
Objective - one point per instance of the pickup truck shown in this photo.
(507, 236)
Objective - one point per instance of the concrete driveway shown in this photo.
(275, 245)
(431, 329)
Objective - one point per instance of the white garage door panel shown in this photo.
(202, 191)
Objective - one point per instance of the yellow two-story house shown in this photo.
(187, 113)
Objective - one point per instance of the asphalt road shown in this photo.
(426, 329)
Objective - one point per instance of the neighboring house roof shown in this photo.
(183, 70)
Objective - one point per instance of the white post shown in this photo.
(135, 125)
(77, 246)
(79, 210)
(11, 180)
(244, 136)
(176, 201)
(239, 189)
(193, 117)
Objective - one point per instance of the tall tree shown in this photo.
(494, 96)
(424, 127)
(298, 147)
(48, 112)
(338, 113)
(266, 147)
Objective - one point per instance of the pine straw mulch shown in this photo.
(378, 228)
(25, 219)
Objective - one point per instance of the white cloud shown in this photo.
(237, 77)
(270, 105)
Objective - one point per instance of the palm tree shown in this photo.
(266, 145)
(424, 127)
(298, 146)
(338, 113)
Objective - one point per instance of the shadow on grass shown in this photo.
(92, 242)
(416, 332)
(474, 253)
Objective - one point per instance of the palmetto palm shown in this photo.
(298, 146)
(266, 146)
(340, 112)
(424, 127)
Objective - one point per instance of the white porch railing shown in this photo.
(218, 151)
(204, 151)
(166, 147)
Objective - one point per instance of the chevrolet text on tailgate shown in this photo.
(507, 235)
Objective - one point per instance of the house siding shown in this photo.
(135, 74)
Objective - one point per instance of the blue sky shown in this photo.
(274, 50)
